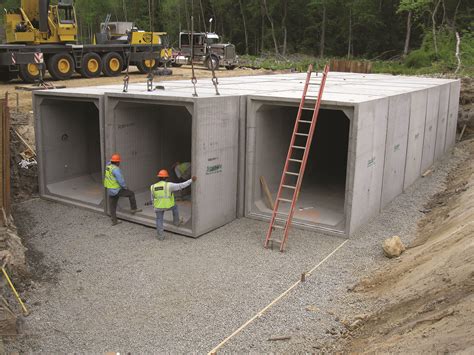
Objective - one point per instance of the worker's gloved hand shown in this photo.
(194, 178)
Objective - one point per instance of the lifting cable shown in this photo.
(149, 78)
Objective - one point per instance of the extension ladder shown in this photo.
(298, 152)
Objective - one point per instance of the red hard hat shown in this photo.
(115, 158)
(163, 173)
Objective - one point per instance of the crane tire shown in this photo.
(91, 65)
(61, 66)
(112, 64)
(31, 72)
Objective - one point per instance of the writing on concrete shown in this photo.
(397, 147)
(214, 169)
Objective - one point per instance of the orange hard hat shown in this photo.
(115, 158)
(163, 173)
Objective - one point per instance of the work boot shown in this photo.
(114, 223)
(180, 222)
(136, 210)
(160, 236)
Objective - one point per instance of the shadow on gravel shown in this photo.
(38, 269)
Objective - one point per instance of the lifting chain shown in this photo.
(193, 79)
(215, 81)
(149, 81)
(191, 41)
(126, 78)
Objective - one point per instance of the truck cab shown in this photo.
(207, 50)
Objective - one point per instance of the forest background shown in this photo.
(398, 36)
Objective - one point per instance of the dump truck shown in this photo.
(207, 50)
(41, 36)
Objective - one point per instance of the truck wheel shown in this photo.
(145, 65)
(112, 64)
(230, 67)
(173, 64)
(91, 65)
(61, 66)
(30, 73)
(212, 63)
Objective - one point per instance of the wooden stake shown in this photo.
(268, 195)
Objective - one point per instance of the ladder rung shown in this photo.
(275, 240)
(295, 160)
(304, 121)
(298, 147)
(289, 187)
(282, 213)
(314, 83)
(291, 173)
(302, 134)
(308, 108)
(278, 227)
(285, 200)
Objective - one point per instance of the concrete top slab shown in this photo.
(341, 88)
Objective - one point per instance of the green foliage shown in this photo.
(446, 61)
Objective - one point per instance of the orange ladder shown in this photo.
(298, 152)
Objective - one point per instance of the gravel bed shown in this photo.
(312, 313)
(98, 288)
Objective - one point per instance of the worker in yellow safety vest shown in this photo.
(116, 188)
(182, 170)
(162, 196)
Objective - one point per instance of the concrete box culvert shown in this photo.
(322, 200)
(70, 146)
(376, 135)
(152, 133)
(363, 154)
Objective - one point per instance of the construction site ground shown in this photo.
(97, 288)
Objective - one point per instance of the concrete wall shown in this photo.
(69, 140)
(153, 133)
(431, 124)
(366, 165)
(416, 133)
(396, 147)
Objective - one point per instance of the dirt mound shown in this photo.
(466, 107)
(429, 293)
(24, 181)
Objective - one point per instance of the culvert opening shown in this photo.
(72, 151)
(151, 137)
(322, 196)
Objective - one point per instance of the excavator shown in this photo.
(41, 36)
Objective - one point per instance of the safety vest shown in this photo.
(183, 167)
(163, 198)
(110, 182)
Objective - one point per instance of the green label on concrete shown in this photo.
(397, 147)
(371, 162)
(214, 169)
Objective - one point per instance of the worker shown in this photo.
(116, 188)
(182, 170)
(162, 195)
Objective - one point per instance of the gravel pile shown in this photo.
(98, 288)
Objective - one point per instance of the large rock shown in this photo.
(393, 247)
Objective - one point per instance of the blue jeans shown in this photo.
(159, 218)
